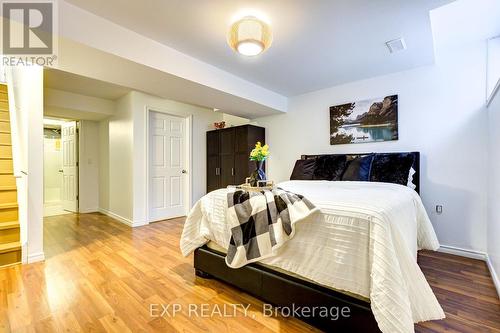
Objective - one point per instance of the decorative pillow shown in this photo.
(303, 170)
(329, 167)
(392, 168)
(358, 169)
(410, 183)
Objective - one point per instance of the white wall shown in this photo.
(441, 114)
(122, 154)
(85, 107)
(493, 64)
(494, 188)
(88, 182)
(52, 163)
(116, 162)
(26, 90)
(104, 166)
(234, 120)
(203, 120)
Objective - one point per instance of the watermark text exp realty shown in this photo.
(207, 310)
(204, 310)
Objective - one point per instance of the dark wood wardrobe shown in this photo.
(228, 150)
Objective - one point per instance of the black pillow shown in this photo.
(358, 169)
(329, 167)
(392, 168)
(303, 170)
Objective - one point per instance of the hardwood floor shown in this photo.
(101, 275)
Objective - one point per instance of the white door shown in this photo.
(69, 138)
(167, 135)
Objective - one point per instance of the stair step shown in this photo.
(8, 205)
(8, 180)
(6, 167)
(10, 247)
(9, 232)
(4, 127)
(8, 196)
(6, 164)
(9, 225)
(4, 116)
(3, 87)
(9, 214)
(5, 152)
(5, 138)
(8, 188)
(10, 258)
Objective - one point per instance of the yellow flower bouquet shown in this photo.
(259, 153)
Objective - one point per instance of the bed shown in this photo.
(359, 251)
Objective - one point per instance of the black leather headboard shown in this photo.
(416, 163)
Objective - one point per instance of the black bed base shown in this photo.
(282, 290)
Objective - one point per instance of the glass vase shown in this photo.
(258, 174)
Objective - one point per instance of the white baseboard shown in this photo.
(463, 252)
(121, 219)
(88, 210)
(494, 275)
(36, 257)
(474, 255)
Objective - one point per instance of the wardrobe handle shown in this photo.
(217, 171)
(232, 171)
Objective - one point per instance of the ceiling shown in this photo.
(60, 80)
(317, 44)
(448, 22)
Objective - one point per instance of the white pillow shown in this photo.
(410, 183)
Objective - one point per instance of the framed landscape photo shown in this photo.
(370, 120)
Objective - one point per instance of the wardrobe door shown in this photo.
(213, 161)
(255, 134)
(227, 157)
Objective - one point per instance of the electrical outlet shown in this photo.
(439, 209)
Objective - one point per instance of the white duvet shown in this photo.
(364, 240)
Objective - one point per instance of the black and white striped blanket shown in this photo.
(261, 222)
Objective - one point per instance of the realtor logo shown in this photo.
(27, 27)
(28, 30)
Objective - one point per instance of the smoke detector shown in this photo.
(396, 45)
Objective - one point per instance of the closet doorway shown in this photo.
(60, 166)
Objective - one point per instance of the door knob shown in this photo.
(184, 171)
(61, 170)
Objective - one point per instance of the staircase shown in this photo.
(10, 247)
